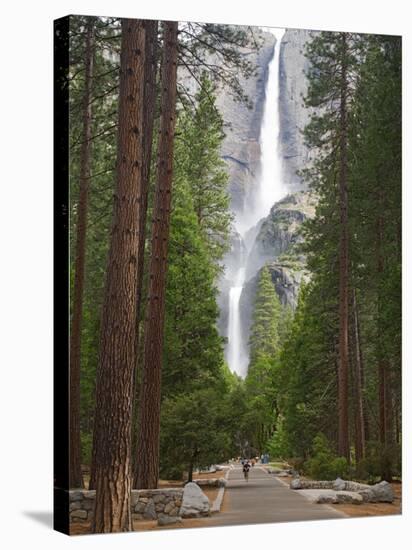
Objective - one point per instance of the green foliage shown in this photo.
(324, 464)
(308, 359)
(192, 432)
(264, 333)
(230, 45)
(193, 350)
(103, 148)
(378, 459)
(306, 374)
(260, 417)
(200, 395)
(278, 444)
(197, 154)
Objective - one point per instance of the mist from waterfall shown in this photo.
(259, 201)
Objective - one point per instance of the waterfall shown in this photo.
(237, 355)
(259, 202)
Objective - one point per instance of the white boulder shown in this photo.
(195, 503)
(296, 483)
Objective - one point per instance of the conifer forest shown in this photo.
(235, 255)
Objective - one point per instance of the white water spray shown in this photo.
(269, 190)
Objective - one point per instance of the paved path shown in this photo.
(265, 499)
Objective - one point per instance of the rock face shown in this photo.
(241, 148)
(279, 232)
(276, 245)
(287, 277)
(293, 114)
(195, 503)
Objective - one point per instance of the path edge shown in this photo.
(217, 503)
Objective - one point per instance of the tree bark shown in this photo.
(114, 384)
(190, 473)
(150, 71)
(149, 405)
(358, 389)
(384, 398)
(75, 472)
(343, 433)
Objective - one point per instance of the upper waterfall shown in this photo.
(259, 201)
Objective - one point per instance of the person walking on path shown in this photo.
(246, 468)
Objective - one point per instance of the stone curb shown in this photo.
(217, 503)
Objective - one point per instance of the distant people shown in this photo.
(253, 462)
(246, 468)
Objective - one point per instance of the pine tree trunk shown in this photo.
(397, 423)
(75, 473)
(190, 473)
(114, 384)
(150, 71)
(358, 389)
(382, 402)
(362, 378)
(343, 433)
(149, 405)
(383, 386)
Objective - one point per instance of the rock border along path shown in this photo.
(265, 499)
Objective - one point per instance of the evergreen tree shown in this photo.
(376, 206)
(201, 136)
(193, 433)
(75, 475)
(102, 113)
(307, 375)
(261, 381)
(114, 385)
(264, 333)
(149, 404)
(333, 62)
(193, 350)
